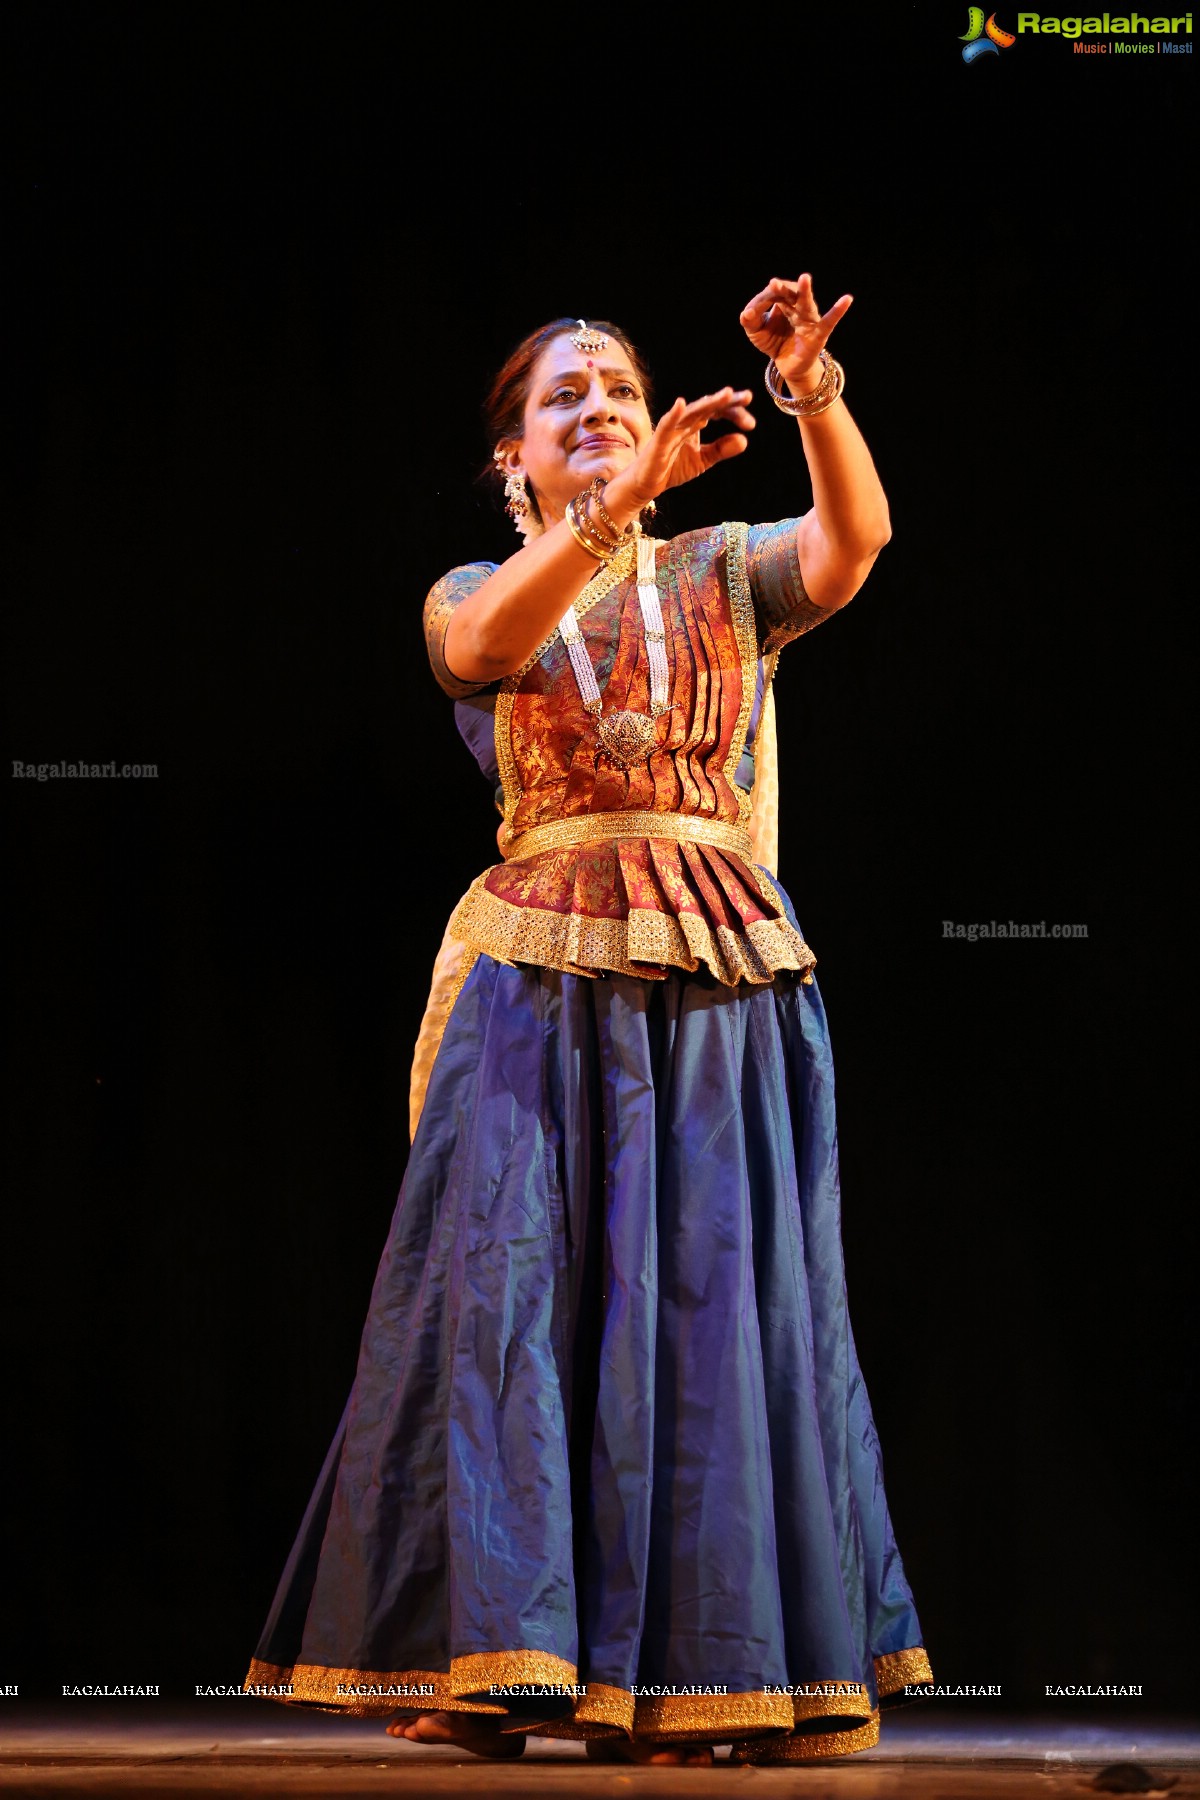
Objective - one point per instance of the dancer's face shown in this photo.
(585, 415)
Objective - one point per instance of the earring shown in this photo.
(516, 500)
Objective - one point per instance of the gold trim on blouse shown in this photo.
(742, 605)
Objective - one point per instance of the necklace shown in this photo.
(628, 737)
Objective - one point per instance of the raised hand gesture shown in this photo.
(676, 453)
(786, 324)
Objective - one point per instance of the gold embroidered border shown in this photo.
(637, 945)
(854, 1704)
(315, 1685)
(708, 1716)
(604, 1711)
(472, 1674)
(901, 1669)
(742, 602)
(809, 1746)
(590, 828)
(506, 762)
(621, 566)
(571, 1728)
(771, 884)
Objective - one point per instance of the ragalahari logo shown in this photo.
(982, 39)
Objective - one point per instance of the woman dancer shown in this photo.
(608, 1468)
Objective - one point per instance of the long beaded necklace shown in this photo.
(628, 737)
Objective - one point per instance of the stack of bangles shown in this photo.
(833, 380)
(599, 535)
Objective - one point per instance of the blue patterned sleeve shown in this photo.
(443, 597)
(781, 606)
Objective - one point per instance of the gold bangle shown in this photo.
(808, 406)
(611, 544)
(583, 501)
(596, 495)
(585, 521)
(571, 517)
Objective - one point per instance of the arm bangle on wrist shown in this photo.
(585, 533)
(833, 380)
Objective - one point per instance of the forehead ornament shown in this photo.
(590, 342)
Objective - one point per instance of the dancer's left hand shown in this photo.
(785, 323)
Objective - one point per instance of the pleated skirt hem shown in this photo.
(814, 1720)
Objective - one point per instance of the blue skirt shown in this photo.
(608, 1430)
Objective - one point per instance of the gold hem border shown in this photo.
(675, 1716)
(575, 1730)
(900, 1669)
(475, 1673)
(609, 1712)
(854, 1705)
(315, 1685)
(604, 1711)
(641, 944)
(810, 1746)
(762, 1727)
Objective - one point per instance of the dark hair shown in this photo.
(504, 409)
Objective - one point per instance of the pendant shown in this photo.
(628, 737)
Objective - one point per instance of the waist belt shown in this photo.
(590, 828)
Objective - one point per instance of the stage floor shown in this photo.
(250, 1749)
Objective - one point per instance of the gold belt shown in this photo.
(590, 828)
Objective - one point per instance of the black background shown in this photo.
(265, 264)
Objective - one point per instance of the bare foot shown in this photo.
(692, 1756)
(470, 1731)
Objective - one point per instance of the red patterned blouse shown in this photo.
(644, 868)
